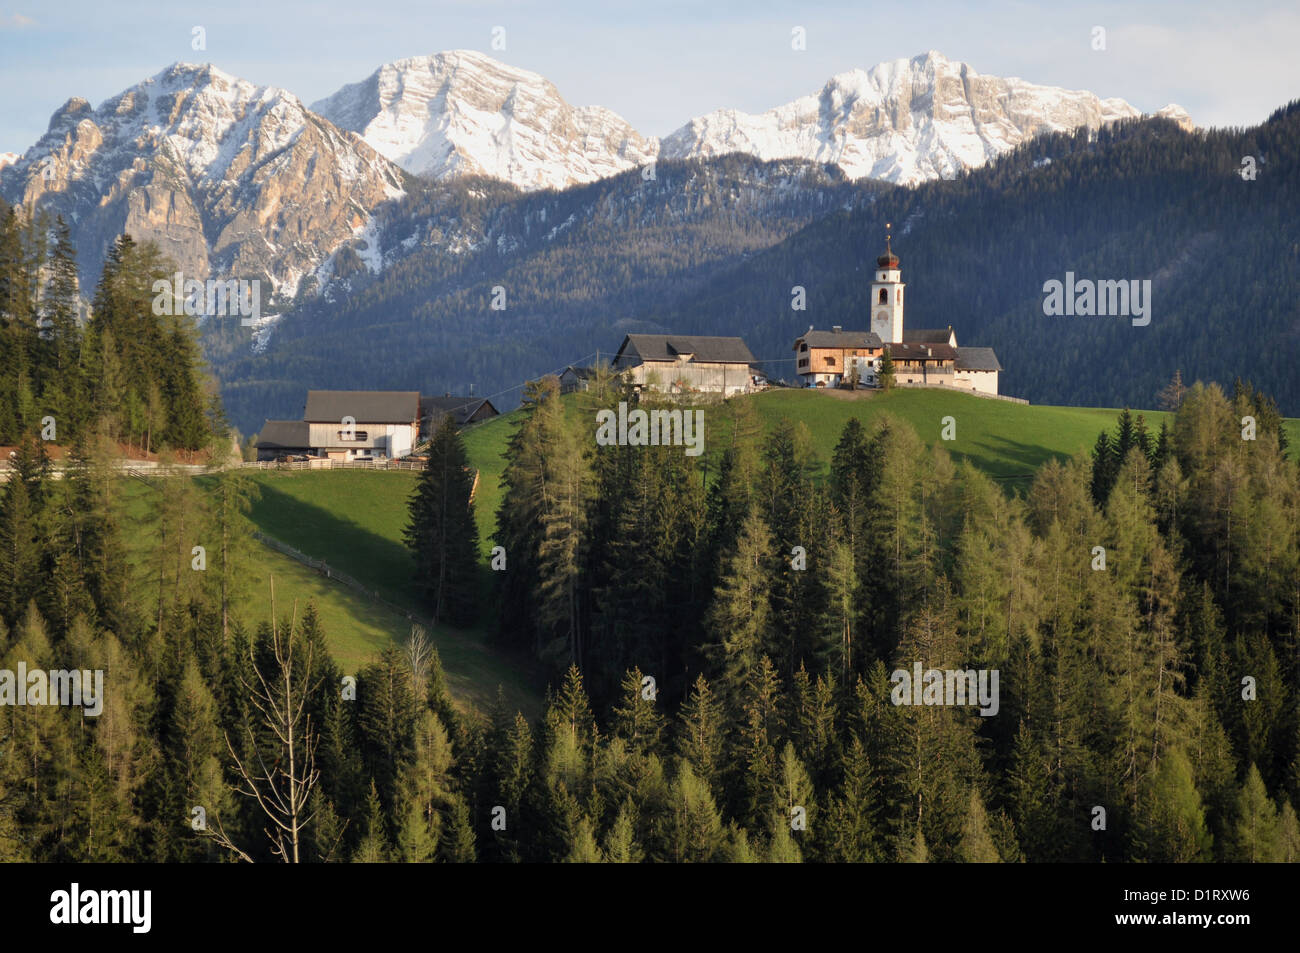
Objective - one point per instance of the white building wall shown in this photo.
(986, 382)
(724, 379)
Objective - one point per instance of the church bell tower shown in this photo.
(887, 296)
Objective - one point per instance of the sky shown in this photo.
(658, 63)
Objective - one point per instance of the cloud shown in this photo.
(16, 21)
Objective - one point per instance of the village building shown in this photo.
(280, 439)
(463, 410)
(688, 364)
(362, 424)
(347, 425)
(827, 358)
(576, 379)
(922, 356)
(366, 424)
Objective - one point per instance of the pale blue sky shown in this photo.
(657, 62)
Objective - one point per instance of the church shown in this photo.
(923, 357)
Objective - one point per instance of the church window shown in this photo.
(884, 296)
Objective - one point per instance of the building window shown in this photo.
(830, 362)
(884, 296)
(354, 436)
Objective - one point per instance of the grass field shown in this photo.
(486, 446)
(353, 521)
(355, 627)
(1008, 441)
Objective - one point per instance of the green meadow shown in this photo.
(353, 519)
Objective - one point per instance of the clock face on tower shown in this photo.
(882, 315)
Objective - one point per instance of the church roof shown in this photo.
(928, 335)
(922, 352)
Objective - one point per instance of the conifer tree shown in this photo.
(442, 532)
(977, 845)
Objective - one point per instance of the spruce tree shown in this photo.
(442, 532)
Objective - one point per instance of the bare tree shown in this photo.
(419, 655)
(282, 789)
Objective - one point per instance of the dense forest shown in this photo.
(716, 246)
(127, 373)
(721, 694)
(726, 633)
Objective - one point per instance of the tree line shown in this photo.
(114, 367)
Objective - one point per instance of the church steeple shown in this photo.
(888, 259)
(887, 294)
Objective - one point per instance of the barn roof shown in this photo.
(286, 434)
(670, 347)
(364, 406)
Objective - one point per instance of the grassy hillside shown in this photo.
(1007, 440)
(353, 519)
(356, 628)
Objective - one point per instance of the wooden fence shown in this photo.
(329, 572)
(384, 464)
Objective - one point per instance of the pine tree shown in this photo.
(695, 832)
(374, 846)
(976, 845)
(738, 620)
(702, 735)
(1255, 837)
(584, 849)
(442, 532)
(886, 376)
(637, 721)
(621, 846)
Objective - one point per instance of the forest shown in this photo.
(722, 630)
(128, 375)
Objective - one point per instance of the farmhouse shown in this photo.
(922, 356)
(688, 364)
(825, 358)
(362, 424)
(463, 410)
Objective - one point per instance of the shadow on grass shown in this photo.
(474, 664)
(1011, 463)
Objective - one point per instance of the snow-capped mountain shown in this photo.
(8, 158)
(906, 122)
(235, 179)
(228, 177)
(463, 113)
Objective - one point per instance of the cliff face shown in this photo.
(228, 178)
